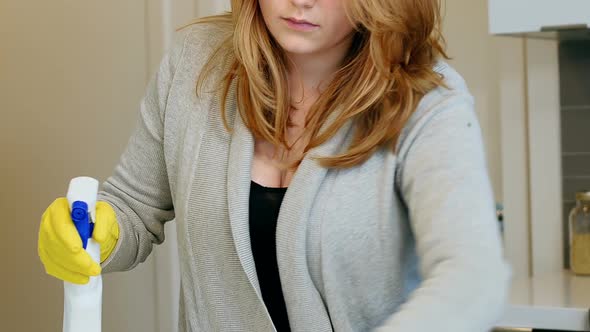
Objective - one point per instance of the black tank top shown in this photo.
(264, 211)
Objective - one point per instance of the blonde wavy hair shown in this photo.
(388, 69)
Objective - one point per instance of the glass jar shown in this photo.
(580, 234)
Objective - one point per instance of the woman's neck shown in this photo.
(313, 70)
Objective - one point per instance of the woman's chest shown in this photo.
(342, 213)
(334, 226)
(343, 204)
(272, 166)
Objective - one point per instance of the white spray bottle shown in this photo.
(83, 303)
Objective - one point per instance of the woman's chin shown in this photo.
(299, 46)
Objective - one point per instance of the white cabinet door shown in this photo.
(522, 16)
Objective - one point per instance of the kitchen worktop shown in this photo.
(553, 301)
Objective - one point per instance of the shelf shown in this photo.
(576, 177)
(575, 107)
(558, 301)
(575, 154)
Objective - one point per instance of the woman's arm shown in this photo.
(445, 184)
(138, 190)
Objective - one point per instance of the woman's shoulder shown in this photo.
(192, 46)
(197, 41)
(455, 85)
(451, 95)
(204, 35)
(453, 100)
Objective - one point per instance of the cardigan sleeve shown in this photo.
(445, 185)
(139, 190)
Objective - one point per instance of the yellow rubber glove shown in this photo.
(106, 229)
(60, 246)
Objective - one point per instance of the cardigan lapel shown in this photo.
(292, 222)
(301, 295)
(241, 154)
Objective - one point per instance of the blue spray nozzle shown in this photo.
(81, 219)
(79, 211)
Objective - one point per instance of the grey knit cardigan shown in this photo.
(405, 242)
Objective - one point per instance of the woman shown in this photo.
(327, 174)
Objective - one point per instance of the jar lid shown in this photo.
(583, 195)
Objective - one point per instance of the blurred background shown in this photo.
(72, 74)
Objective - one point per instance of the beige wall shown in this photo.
(71, 77)
(475, 54)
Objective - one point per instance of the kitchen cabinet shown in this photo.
(517, 17)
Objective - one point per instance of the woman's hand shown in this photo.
(60, 246)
